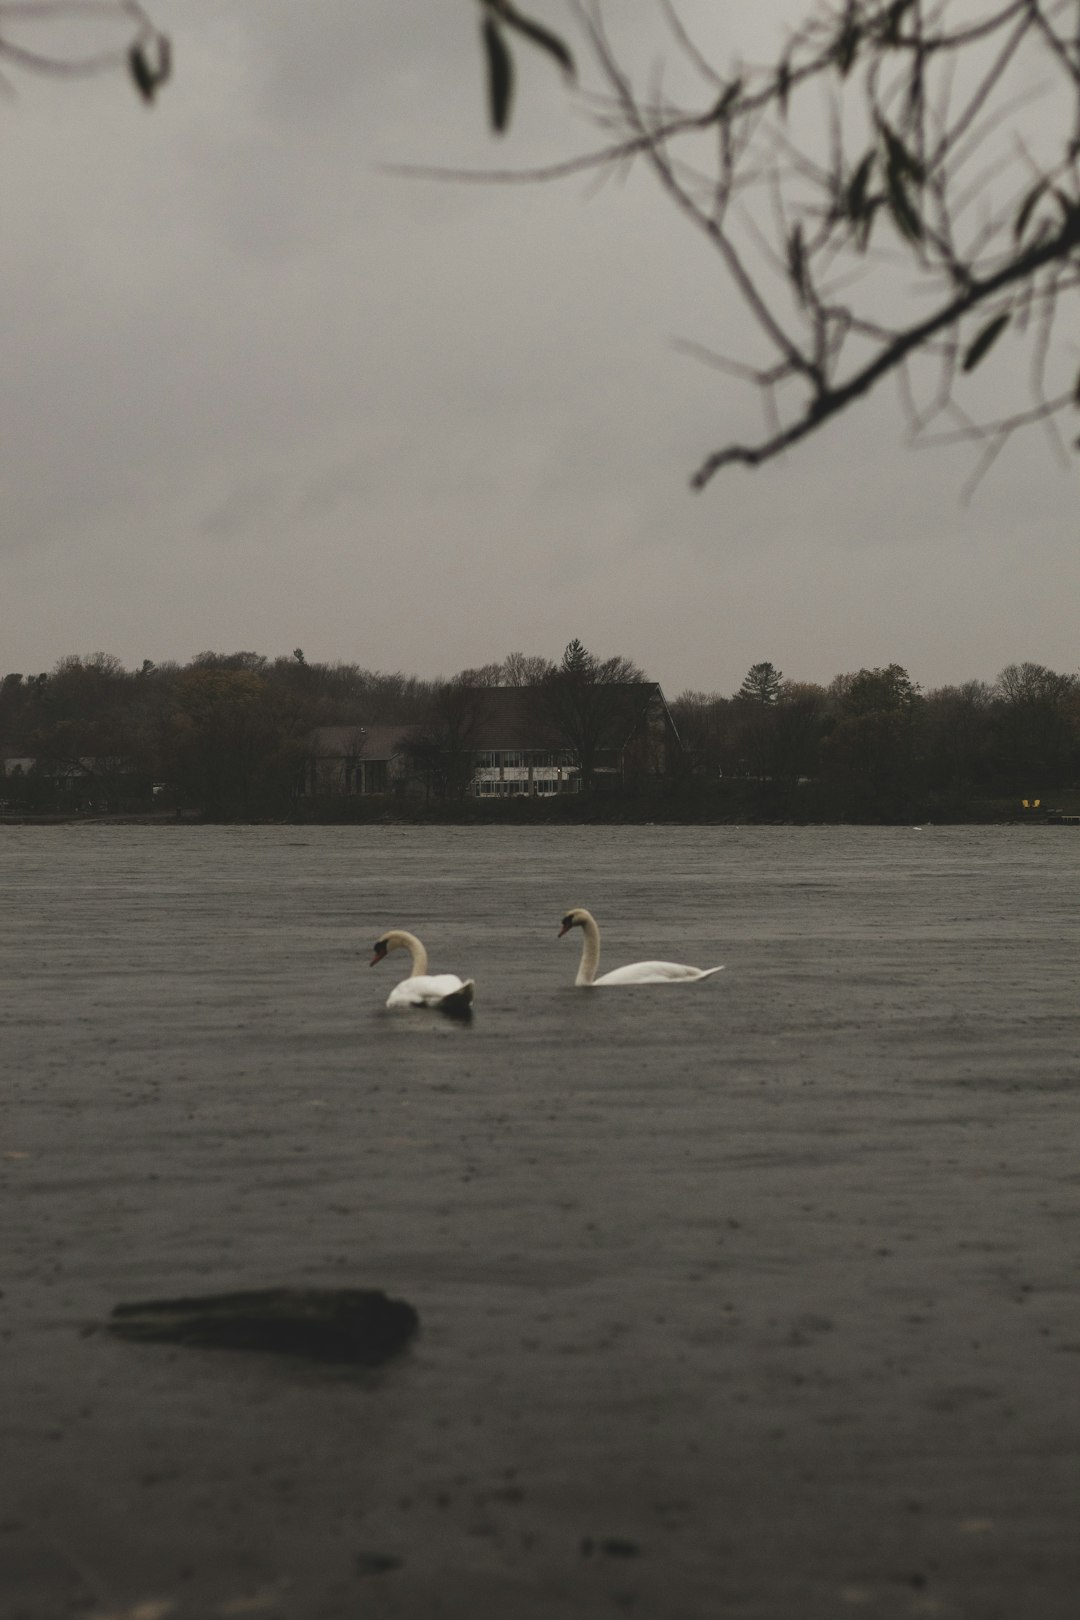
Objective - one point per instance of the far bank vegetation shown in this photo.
(231, 736)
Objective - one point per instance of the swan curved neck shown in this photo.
(590, 951)
(401, 940)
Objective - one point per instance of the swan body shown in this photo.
(422, 989)
(633, 972)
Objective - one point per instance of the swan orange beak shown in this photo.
(380, 952)
(565, 929)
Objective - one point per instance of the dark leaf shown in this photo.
(847, 41)
(897, 157)
(149, 75)
(783, 85)
(894, 17)
(866, 224)
(916, 90)
(142, 73)
(500, 75)
(797, 262)
(728, 99)
(904, 214)
(985, 341)
(547, 41)
(855, 197)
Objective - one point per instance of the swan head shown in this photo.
(381, 948)
(576, 918)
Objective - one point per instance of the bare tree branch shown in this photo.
(832, 402)
(831, 224)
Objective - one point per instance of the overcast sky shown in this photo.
(258, 392)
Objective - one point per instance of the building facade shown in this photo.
(502, 742)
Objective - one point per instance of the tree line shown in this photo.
(871, 743)
(227, 734)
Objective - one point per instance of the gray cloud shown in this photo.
(260, 392)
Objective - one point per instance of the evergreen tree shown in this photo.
(761, 684)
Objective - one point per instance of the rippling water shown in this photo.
(237, 956)
(609, 1206)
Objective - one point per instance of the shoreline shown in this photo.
(488, 817)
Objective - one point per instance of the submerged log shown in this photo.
(358, 1325)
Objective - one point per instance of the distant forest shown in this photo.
(227, 736)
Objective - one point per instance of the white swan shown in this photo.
(634, 972)
(422, 989)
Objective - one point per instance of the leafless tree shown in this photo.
(891, 196)
(1037, 713)
(590, 704)
(895, 195)
(525, 669)
(708, 725)
(440, 749)
(483, 675)
(797, 730)
(959, 733)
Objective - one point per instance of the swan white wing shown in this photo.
(427, 990)
(656, 973)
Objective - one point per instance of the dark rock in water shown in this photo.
(358, 1325)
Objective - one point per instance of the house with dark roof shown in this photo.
(343, 761)
(505, 742)
(547, 740)
(514, 750)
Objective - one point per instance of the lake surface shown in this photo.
(757, 1297)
